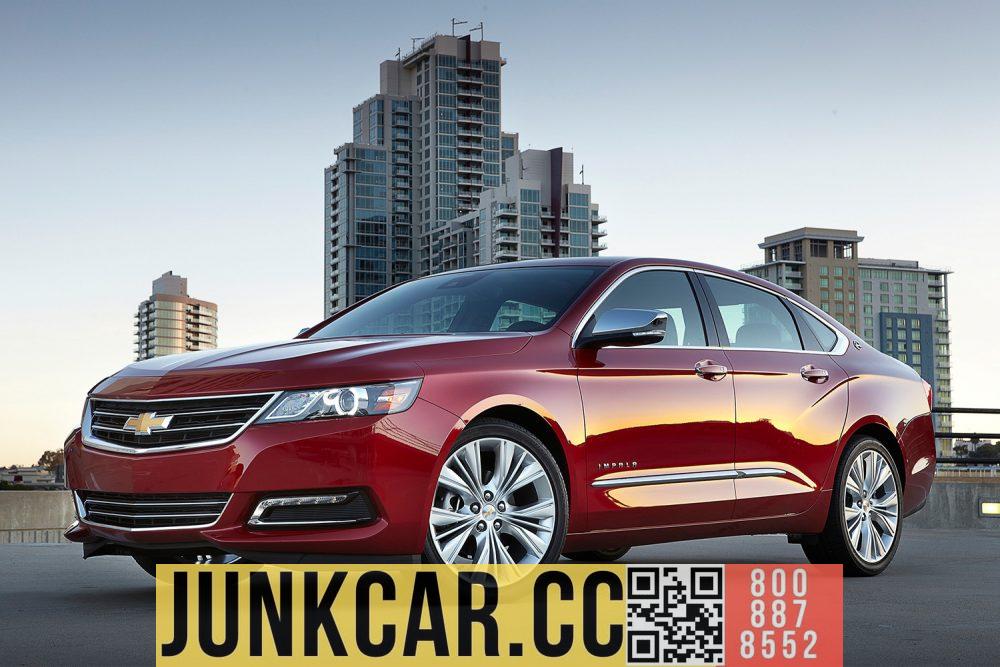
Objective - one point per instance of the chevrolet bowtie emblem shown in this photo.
(146, 423)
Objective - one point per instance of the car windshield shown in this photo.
(510, 299)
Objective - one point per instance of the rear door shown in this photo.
(791, 398)
(660, 434)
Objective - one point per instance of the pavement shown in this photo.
(937, 604)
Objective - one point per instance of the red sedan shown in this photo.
(513, 414)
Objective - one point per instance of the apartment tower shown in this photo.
(894, 305)
(170, 321)
(402, 199)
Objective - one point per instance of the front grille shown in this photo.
(171, 510)
(189, 422)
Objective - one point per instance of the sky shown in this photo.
(137, 138)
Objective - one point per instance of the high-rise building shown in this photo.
(403, 197)
(170, 321)
(423, 149)
(538, 212)
(896, 306)
(820, 265)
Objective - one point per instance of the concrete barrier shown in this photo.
(34, 516)
(42, 516)
(954, 503)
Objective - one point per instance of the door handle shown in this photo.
(813, 374)
(710, 370)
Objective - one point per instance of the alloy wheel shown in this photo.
(494, 504)
(871, 506)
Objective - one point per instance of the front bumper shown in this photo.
(393, 459)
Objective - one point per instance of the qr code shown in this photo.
(675, 615)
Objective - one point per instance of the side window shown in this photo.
(753, 318)
(824, 334)
(667, 291)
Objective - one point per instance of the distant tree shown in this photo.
(986, 451)
(961, 450)
(52, 458)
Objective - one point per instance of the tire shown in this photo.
(148, 563)
(598, 556)
(857, 508)
(506, 518)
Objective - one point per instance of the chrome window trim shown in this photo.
(81, 505)
(839, 349)
(91, 441)
(679, 477)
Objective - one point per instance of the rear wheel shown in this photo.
(149, 563)
(598, 556)
(500, 498)
(863, 528)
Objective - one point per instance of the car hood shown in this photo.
(299, 363)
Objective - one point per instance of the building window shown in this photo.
(824, 270)
(843, 250)
(818, 248)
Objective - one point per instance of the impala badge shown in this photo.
(146, 423)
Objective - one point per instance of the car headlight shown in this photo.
(373, 399)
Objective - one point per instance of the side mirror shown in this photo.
(302, 331)
(626, 326)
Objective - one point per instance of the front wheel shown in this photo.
(863, 528)
(500, 499)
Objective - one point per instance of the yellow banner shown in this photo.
(395, 614)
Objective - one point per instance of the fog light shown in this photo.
(317, 511)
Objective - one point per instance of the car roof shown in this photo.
(623, 264)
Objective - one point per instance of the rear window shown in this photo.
(824, 334)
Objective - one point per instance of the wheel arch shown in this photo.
(543, 425)
(539, 427)
(882, 433)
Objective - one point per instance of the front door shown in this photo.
(791, 398)
(660, 417)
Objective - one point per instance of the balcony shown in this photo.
(469, 168)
